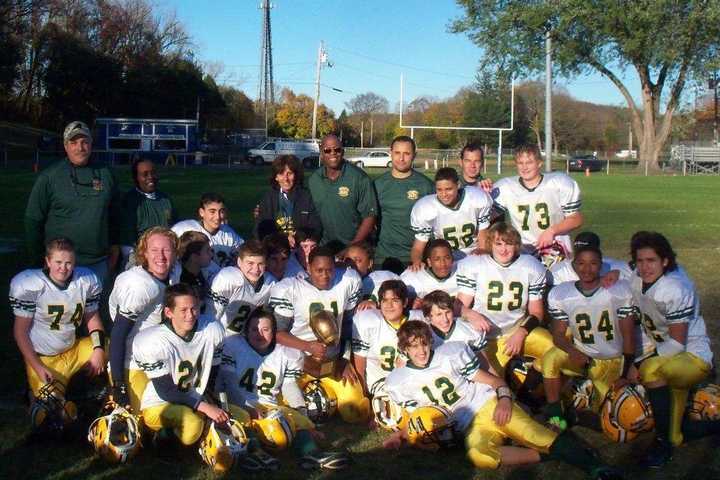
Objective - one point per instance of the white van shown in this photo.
(308, 151)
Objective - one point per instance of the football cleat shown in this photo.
(49, 411)
(328, 460)
(658, 456)
(222, 445)
(705, 403)
(258, 461)
(388, 414)
(115, 436)
(430, 428)
(320, 400)
(557, 424)
(276, 431)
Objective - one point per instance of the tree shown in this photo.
(366, 106)
(294, 116)
(664, 41)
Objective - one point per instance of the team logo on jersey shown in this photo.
(343, 191)
(413, 194)
(97, 184)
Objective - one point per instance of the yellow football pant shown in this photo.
(536, 344)
(352, 404)
(63, 365)
(187, 425)
(136, 381)
(300, 421)
(485, 437)
(681, 372)
(602, 373)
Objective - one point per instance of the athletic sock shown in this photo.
(660, 401)
(553, 409)
(568, 448)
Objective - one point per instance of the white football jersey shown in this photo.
(423, 281)
(532, 211)
(502, 292)
(446, 381)
(294, 268)
(594, 320)
(232, 298)
(297, 298)
(429, 218)
(56, 312)
(139, 296)
(376, 340)
(372, 281)
(160, 351)
(225, 242)
(460, 331)
(250, 378)
(672, 299)
(563, 271)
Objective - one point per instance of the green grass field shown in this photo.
(686, 209)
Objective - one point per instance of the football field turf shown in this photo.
(685, 209)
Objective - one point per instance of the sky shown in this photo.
(369, 43)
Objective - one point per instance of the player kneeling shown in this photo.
(49, 304)
(255, 370)
(177, 356)
(478, 404)
(602, 326)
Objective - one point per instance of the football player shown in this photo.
(306, 239)
(212, 222)
(195, 255)
(564, 270)
(296, 300)
(255, 370)
(277, 247)
(238, 290)
(374, 340)
(440, 272)
(135, 304)
(438, 307)
(602, 324)
(669, 310)
(480, 406)
(360, 256)
(179, 356)
(544, 208)
(507, 288)
(49, 304)
(458, 215)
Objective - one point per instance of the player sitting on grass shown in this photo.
(180, 356)
(507, 288)
(136, 303)
(602, 324)
(669, 310)
(238, 290)
(440, 272)
(360, 256)
(480, 406)
(438, 308)
(49, 305)
(255, 370)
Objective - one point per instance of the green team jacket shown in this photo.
(72, 202)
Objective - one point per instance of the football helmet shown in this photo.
(430, 428)
(222, 445)
(388, 414)
(115, 436)
(610, 426)
(626, 412)
(320, 400)
(705, 403)
(276, 430)
(49, 411)
(581, 394)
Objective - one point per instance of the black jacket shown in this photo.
(304, 213)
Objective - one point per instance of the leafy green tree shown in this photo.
(666, 42)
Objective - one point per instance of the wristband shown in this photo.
(503, 391)
(530, 322)
(629, 360)
(97, 337)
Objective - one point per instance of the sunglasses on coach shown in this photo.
(333, 150)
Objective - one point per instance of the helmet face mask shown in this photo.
(430, 428)
(276, 430)
(320, 400)
(116, 436)
(222, 445)
(388, 414)
(625, 413)
(49, 411)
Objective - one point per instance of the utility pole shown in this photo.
(266, 89)
(715, 117)
(321, 59)
(548, 100)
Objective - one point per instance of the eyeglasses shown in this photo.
(333, 150)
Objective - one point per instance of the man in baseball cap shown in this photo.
(586, 239)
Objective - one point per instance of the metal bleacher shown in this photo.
(697, 160)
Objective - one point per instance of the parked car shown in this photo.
(578, 163)
(307, 151)
(372, 159)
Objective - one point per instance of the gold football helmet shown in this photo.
(631, 409)
(115, 436)
(222, 445)
(611, 428)
(430, 428)
(324, 325)
(320, 400)
(50, 411)
(388, 414)
(276, 430)
(705, 403)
